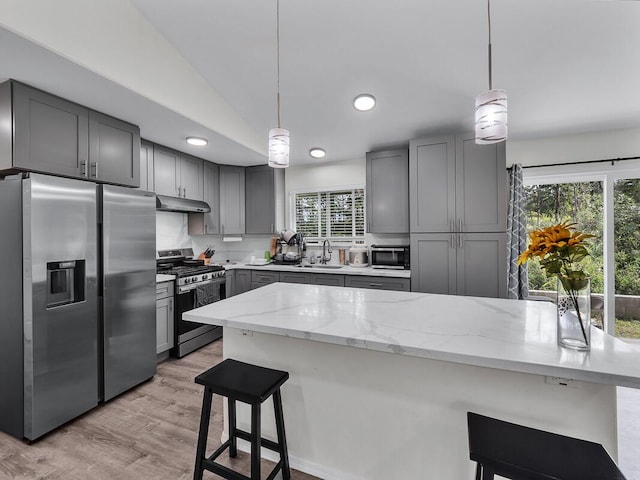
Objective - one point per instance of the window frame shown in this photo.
(604, 172)
(336, 240)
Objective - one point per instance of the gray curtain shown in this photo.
(516, 236)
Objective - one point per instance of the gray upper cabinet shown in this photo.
(55, 136)
(456, 185)
(191, 177)
(114, 150)
(177, 174)
(146, 166)
(51, 135)
(261, 193)
(232, 200)
(388, 191)
(166, 171)
(208, 223)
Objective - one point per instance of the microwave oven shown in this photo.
(390, 256)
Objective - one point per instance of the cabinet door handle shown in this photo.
(452, 227)
(375, 284)
(451, 244)
(83, 168)
(184, 192)
(460, 224)
(206, 228)
(459, 241)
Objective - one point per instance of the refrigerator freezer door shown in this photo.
(60, 338)
(129, 287)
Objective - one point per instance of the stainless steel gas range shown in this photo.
(197, 285)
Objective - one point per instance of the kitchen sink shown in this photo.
(319, 265)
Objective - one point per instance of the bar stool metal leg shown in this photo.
(282, 441)
(233, 436)
(256, 432)
(202, 434)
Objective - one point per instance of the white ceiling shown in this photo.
(569, 66)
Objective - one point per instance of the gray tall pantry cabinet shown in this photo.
(388, 191)
(458, 198)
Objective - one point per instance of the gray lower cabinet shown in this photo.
(380, 283)
(264, 196)
(146, 166)
(295, 277)
(260, 278)
(164, 317)
(51, 135)
(464, 264)
(388, 191)
(330, 279)
(232, 200)
(456, 185)
(242, 281)
(114, 150)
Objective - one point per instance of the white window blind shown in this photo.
(334, 214)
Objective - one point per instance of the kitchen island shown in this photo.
(381, 381)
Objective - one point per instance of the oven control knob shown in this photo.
(187, 280)
(204, 277)
(194, 279)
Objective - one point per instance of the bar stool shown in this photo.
(523, 453)
(251, 384)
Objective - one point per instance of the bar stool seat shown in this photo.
(523, 453)
(250, 384)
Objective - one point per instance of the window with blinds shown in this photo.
(334, 214)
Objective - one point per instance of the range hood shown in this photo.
(174, 204)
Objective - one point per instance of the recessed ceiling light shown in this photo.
(197, 141)
(364, 102)
(317, 152)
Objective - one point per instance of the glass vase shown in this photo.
(574, 312)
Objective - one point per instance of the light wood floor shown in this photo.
(147, 433)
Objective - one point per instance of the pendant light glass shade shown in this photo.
(491, 117)
(279, 148)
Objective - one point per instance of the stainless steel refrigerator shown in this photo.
(73, 307)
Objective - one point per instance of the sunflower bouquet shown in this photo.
(560, 248)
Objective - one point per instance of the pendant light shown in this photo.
(491, 107)
(278, 137)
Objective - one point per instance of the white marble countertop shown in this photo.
(162, 277)
(344, 270)
(497, 333)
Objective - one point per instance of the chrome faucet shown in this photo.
(324, 258)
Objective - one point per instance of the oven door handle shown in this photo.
(188, 288)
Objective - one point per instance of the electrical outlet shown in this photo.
(247, 333)
(565, 382)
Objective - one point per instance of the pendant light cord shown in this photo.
(278, 53)
(489, 18)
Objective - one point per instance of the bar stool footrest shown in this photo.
(264, 442)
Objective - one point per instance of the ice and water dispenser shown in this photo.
(65, 282)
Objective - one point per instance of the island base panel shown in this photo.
(353, 413)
